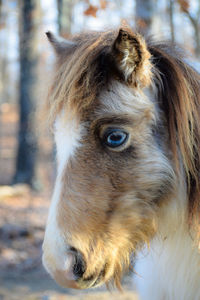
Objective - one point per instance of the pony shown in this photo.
(125, 112)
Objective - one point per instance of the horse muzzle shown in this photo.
(71, 273)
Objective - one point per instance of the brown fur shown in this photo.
(98, 208)
(108, 226)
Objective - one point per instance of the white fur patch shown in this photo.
(54, 246)
(67, 137)
(170, 269)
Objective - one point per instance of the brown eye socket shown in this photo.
(115, 137)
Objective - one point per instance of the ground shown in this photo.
(23, 214)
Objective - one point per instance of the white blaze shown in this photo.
(67, 138)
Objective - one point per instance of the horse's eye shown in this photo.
(115, 138)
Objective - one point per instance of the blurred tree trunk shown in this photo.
(3, 57)
(145, 14)
(171, 19)
(0, 8)
(65, 12)
(27, 142)
(195, 21)
(196, 26)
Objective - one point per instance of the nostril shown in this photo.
(79, 268)
(79, 265)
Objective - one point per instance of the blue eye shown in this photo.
(115, 138)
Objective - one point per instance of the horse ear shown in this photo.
(59, 44)
(132, 58)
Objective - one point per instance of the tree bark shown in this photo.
(27, 142)
(195, 22)
(59, 8)
(197, 39)
(0, 8)
(65, 11)
(171, 19)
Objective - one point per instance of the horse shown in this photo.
(125, 112)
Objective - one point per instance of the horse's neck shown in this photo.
(170, 268)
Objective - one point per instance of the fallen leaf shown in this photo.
(91, 11)
(103, 4)
(184, 4)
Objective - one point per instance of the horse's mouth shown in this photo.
(93, 280)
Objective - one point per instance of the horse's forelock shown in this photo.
(90, 62)
(80, 75)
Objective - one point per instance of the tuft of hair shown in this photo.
(81, 75)
(94, 59)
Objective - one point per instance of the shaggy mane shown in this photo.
(82, 73)
(179, 98)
